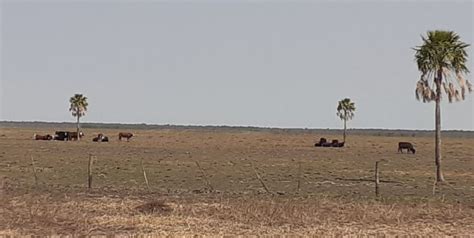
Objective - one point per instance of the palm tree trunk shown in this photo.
(78, 137)
(439, 173)
(344, 135)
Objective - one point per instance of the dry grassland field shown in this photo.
(224, 196)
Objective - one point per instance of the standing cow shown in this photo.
(126, 135)
(406, 146)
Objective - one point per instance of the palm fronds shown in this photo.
(345, 109)
(424, 91)
(442, 60)
(78, 105)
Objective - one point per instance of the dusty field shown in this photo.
(336, 194)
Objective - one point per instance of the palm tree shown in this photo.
(442, 61)
(345, 111)
(78, 108)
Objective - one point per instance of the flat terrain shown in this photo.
(335, 195)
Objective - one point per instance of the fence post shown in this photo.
(377, 180)
(299, 177)
(89, 172)
(34, 170)
(144, 175)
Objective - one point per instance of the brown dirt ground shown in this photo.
(335, 196)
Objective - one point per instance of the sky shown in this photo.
(238, 63)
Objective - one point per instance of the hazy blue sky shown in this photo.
(259, 63)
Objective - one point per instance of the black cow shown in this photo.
(61, 135)
(407, 146)
(101, 138)
(321, 142)
(67, 135)
(340, 144)
(324, 143)
(336, 143)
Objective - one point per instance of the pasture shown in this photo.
(315, 190)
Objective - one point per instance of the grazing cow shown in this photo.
(101, 138)
(127, 135)
(406, 145)
(40, 137)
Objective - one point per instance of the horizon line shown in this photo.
(235, 126)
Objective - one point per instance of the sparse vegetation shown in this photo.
(335, 196)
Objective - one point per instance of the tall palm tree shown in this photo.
(345, 111)
(442, 61)
(78, 108)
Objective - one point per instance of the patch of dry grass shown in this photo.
(87, 215)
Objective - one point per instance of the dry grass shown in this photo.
(93, 215)
(336, 195)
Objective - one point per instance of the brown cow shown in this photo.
(406, 145)
(40, 137)
(127, 135)
(73, 135)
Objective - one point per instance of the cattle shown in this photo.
(101, 138)
(324, 143)
(336, 143)
(41, 137)
(126, 135)
(74, 135)
(339, 144)
(321, 142)
(61, 135)
(406, 145)
(67, 135)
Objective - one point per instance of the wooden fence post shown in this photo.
(299, 177)
(34, 170)
(89, 171)
(144, 175)
(377, 180)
